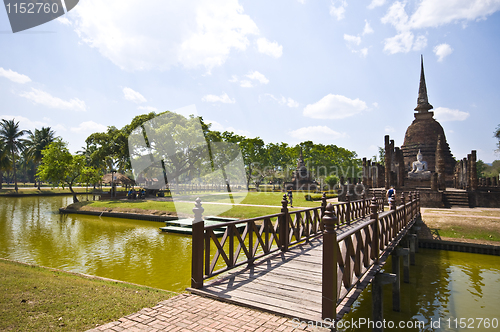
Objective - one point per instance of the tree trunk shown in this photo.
(14, 169)
(75, 200)
(1, 179)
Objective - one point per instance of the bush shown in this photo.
(317, 197)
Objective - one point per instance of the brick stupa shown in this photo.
(423, 134)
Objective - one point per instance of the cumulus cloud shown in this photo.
(254, 77)
(431, 13)
(134, 96)
(147, 108)
(283, 100)
(88, 127)
(316, 133)
(161, 34)
(41, 97)
(337, 9)
(376, 3)
(356, 40)
(442, 51)
(444, 114)
(258, 76)
(334, 107)
(270, 48)
(224, 98)
(13, 76)
(367, 29)
(30, 124)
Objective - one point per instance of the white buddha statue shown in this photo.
(419, 168)
(420, 165)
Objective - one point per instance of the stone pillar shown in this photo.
(369, 180)
(401, 167)
(473, 171)
(469, 165)
(440, 164)
(378, 299)
(434, 181)
(387, 160)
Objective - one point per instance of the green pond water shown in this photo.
(444, 285)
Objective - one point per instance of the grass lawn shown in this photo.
(482, 224)
(160, 207)
(40, 299)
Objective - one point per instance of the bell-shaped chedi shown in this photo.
(422, 135)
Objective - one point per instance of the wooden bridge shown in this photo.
(310, 264)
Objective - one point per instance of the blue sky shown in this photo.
(334, 72)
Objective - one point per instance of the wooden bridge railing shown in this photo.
(348, 255)
(245, 241)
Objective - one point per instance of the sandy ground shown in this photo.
(462, 220)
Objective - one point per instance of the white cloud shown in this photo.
(376, 3)
(224, 98)
(162, 34)
(283, 100)
(444, 114)
(352, 39)
(89, 127)
(147, 108)
(13, 76)
(404, 42)
(442, 51)
(338, 11)
(44, 98)
(389, 129)
(28, 124)
(334, 107)
(63, 20)
(367, 29)
(246, 84)
(316, 133)
(431, 13)
(234, 79)
(363, 52)
(134, 96)
(270, 48)
(219, 127)
(375, 104)
(258, 76)
(215, 125)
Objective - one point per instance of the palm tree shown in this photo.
(10, 135)
(4, 161)
(37, 142)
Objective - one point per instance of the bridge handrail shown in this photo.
(348, 256)
(262, 236)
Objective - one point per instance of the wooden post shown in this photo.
(376, 241)
(396, 286)
(283, 224)
(406, 264)
(378, 299)
(348, 210)
(364, 204)
(412, 238)
(403, 201)
(329, 273)
(323, 208)
(198, 231)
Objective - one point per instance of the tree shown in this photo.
(4, 161)
(11, 136)
(480, 168)
(497, 136)
(35, 144)
(60, 167)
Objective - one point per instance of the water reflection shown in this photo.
(444, 285)
(32, 230)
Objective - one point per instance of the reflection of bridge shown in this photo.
(310, 264)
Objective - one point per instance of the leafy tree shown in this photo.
(331, 181)
(5, 163)
(480, 168)
(36, 142)
(497, 136)
(60, 167)
(11, 136)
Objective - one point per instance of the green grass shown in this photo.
(459, 232)
(238, 211)
(40, 299)
(41, 191)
